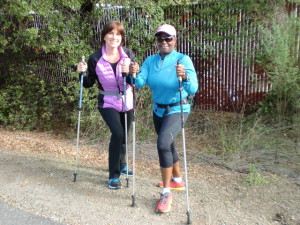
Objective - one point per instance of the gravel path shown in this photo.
(42, 184)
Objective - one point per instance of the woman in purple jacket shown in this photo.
(106, 66)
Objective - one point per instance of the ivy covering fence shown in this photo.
(228, 41)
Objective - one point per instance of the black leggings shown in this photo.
(117, 151)
(167, 128)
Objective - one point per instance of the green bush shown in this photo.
(29, 103)
(280, 60)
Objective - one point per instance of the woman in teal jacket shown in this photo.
(160, 72)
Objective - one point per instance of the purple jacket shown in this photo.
(111, 85)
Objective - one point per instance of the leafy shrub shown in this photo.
(281, 63)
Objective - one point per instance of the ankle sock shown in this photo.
(177, 179)
(165, 190)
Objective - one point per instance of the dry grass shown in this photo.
(215, 138)
(236, 142)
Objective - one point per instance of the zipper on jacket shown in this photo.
(115, 74)
(161, 61)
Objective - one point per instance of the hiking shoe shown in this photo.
(174, 185)
(114, 183)
(164, 203)
(124, 171)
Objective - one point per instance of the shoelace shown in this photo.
(115, 180)
(164, 198)
(126, 169)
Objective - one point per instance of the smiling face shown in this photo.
(113, 39)
(113, 34)
(165, 46)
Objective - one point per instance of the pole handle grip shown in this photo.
(82, 60)
(126, 61)
(133, 74)
(179, 77)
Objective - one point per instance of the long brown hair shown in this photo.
(111, 26)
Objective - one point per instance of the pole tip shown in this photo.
(188, 218)
(75, 175)
(133, 201)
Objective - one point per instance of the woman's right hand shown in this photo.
(81, 67)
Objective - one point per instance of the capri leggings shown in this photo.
(167, 128)
(116, 122)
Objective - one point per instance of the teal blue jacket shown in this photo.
(160, 76)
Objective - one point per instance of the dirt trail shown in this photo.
(36, 175)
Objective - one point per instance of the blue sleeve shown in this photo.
(142, 76)
(191, 84)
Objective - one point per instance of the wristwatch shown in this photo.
(187, 79)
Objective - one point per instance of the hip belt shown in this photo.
(167, 107)
(184, 101)
(115, 93)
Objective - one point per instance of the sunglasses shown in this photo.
(167, 39)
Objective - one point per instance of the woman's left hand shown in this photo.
(134, 67)
(180, 71)
(125, 66)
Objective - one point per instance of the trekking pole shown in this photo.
(184, 150)
(78, 124)
(133, 144)
(125, 111)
